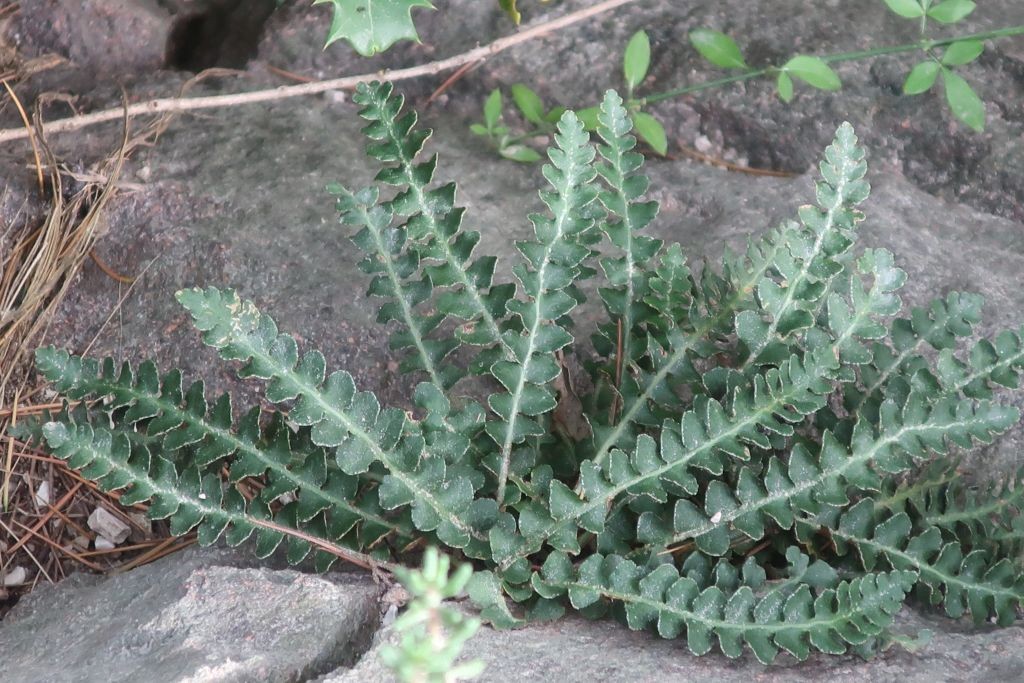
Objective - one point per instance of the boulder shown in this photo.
(208, 615)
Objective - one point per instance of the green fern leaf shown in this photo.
(808, 482)
(189, 500)
(798, 621)
(551, 264)
(938, 326)
(624, 297)
(396, 270)
(340, 418)
(960, 581)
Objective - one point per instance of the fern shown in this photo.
(740, 417)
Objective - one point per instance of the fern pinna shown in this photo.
(765, 459)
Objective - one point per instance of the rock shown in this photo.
(42, 494)
(574, 650)
(106, 36)
(202, 615)
(109, 527)
(102, 543)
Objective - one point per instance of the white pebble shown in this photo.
(15, 577)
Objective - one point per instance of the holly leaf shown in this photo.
(372, 26)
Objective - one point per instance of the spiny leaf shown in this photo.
(372, 26)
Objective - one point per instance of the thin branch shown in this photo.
(176, 104)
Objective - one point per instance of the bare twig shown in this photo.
(177, 104)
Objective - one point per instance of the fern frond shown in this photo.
(434, 223)
(192, 500)
(853, 613)
(909, 495)
(995, 362)
(938, 326)
(551, 264)
(811, 482)
(395, 267)
(813, 259)
(172, 420)
(626, 273)
(792, 272)
(698, 441)
(743, 419)
(340, 417)
(959, 580)
(979, 516)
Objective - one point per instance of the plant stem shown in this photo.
(923, 45)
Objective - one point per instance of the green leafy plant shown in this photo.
(432, 633)
(941, 56)
(762, 462)
(532, 110)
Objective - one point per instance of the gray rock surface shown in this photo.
(574, 650)
(204, 615)
(111, 37)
